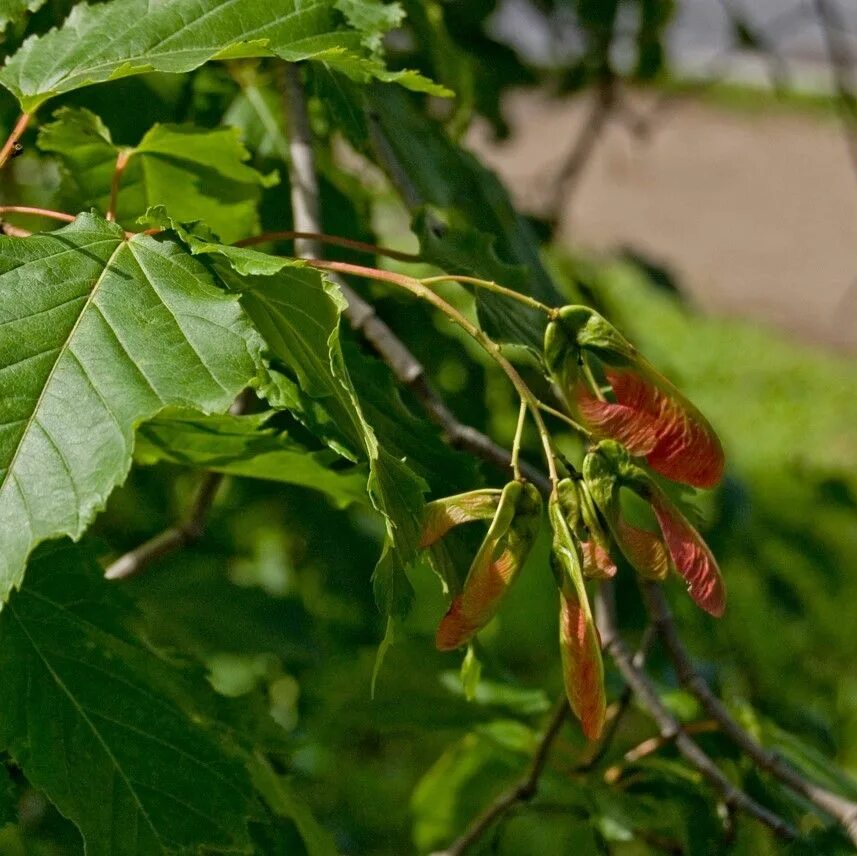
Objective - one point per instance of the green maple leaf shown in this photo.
(99, 334)
(105, 728)
(242, 446)
(197, 174)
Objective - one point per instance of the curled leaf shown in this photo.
(653, 420)
(441, 515)
(583, 522)
(597, 562)
(645, 551)
(582, 668)
(643, 410)
(496, 565)
(607, 470)
(580, 647)
(691, 556)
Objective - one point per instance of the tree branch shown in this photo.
(12, 140)
(842, 810)
(521, 792)
(185, 533)
(361, 316)
(667, 724)
(841, 63)
(653, 745)
(605, 100)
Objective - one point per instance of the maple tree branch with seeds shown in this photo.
(411, 373)
(205, 346)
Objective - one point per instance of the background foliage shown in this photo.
(234, 675)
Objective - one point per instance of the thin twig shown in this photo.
(333, 240)
(172, 539)
(516, 443)
(13, 231)
(842, 65)
(605, 99)
(653, 745)
(667, 724)
(490, 285)
(14, 136)
(841, 809)
(521, 792)
(121, 163)
(175, 537)
(41, 212)
(564, 417)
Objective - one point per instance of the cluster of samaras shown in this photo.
(636, 415)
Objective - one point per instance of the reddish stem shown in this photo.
(11, 231)
(17, 131)
(366, 272)
(40, 212)
(335, 240)
(121, 163)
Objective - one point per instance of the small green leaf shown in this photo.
(508, 698)
(374, 18)
(196, 174)
(391, 631)
(241, 446)
(100, 333)
(101, 725)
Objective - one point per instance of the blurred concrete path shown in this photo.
(756, 213)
